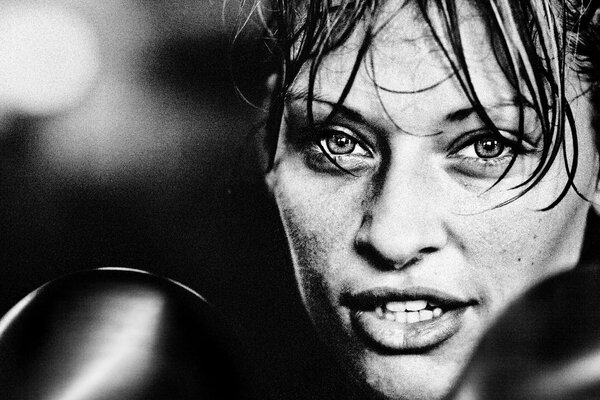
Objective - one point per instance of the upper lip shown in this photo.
(371, 298)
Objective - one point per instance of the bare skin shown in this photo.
(415, 219)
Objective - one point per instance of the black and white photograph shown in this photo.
(300, 200)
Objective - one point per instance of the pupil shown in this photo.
(488, 148)
(340, 144)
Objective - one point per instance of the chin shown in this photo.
(430, 375)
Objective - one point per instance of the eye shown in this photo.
(486, 155)
(339, 150)
(487, 147)
(340, 142)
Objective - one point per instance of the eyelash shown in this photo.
(514, 147)
(490, 168)
(321, 156)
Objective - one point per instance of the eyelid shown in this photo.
(325, 131)
(345, 118)
(505, 136)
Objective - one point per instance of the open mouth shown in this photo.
(409, 312)
(407, 321)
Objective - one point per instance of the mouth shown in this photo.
(409, 321)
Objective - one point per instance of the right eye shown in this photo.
(338, 150)
(337, 142)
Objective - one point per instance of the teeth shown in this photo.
(408, 311)
(401, 317)
(425, 315)
(412, 317)
(416, 305)
(396, 306)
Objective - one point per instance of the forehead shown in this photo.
(406, 76)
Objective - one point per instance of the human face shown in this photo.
(414, 226)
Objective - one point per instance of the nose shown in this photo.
(403, 221)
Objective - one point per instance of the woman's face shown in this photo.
(403, 262)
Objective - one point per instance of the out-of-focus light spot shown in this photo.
(49, 57)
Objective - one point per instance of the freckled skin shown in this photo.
(407, 199)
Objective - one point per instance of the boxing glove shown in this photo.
(545, 346)
(117, 334)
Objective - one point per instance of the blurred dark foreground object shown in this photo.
(546, 346)
(116, 334)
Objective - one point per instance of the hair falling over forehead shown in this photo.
(536, 42)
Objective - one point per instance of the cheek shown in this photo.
(514, 247)
(320, 222)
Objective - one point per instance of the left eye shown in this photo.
(487, 148)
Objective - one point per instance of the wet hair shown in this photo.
(536, 42)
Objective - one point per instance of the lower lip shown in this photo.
(395, 337)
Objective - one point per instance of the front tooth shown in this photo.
(401, 317)
(396, 306)
(425, 315)
(390, 316)
(412, 317)
(416, 305)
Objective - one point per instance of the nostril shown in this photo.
(428, 250)
(412, 261)
(382, 261)
(396, 238)
(385, 263)
(373, 257)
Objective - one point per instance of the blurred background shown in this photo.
(124, 142)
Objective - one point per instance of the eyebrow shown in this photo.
(464, 113)
(302, 95)
(454, 116)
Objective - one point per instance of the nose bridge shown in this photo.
(404, 217)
